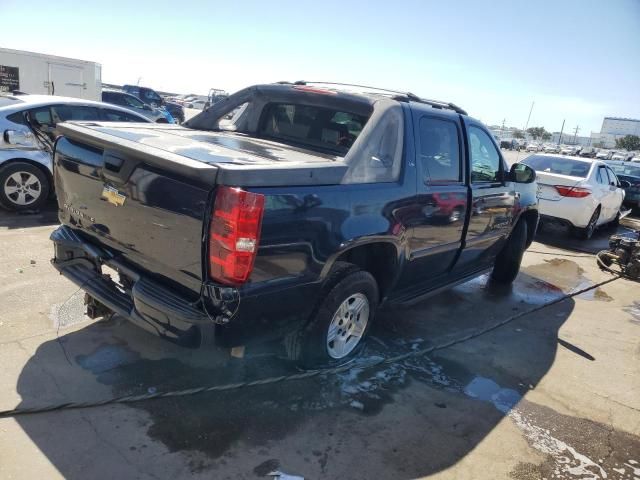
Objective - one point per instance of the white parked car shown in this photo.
(198, 104)
(28, 127)
(566, 150)
(579, 192)
(604, 155)
(621, 156)
(533, 147)
(551, 149)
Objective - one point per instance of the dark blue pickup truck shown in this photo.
(289, 211)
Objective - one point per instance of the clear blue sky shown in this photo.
(578, 59)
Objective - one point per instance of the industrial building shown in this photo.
(614, 128)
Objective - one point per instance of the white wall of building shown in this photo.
(620, 126)
(38, 73)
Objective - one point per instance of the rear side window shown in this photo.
(601, 176)
(117, 116)
(558, 165)
(378, 156)
(17, 117)
(613, 180)
(485, 161)
(63, 113)
(439, 151)
(312, 127)
(41, 115)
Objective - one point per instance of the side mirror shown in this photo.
(521, 173)
(20, 138)
(625, 184)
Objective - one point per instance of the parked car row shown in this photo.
(28, 128)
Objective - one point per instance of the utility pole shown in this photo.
(529, 117)
(575, 133)
(561, 130)
(502, 129)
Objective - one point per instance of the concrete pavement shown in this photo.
(554, 394)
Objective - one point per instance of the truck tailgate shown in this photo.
(147, 206)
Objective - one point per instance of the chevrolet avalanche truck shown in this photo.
(289, 211)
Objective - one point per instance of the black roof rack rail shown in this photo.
(434, 103)
(398, 95)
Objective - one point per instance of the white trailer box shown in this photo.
(37, 73)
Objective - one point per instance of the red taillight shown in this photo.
(234, 233)
(575, 192)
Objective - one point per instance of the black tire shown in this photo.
(24, 169)
(308, 346)
(614, 224)
(587, 232)
(507, 264)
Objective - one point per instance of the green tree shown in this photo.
(518, 134)
(536, 132)
(628, 142)
(546, 136)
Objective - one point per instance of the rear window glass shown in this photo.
(313, 127)
(558, 165)
(631, 170)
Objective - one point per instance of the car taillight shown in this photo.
(575, 192)
(234, 234)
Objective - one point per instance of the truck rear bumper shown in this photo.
(143, 301)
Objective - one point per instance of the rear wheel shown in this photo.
(587, 232)
(508, 260)
(336, 330)
(23, 187)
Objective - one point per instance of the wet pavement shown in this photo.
(552, 394)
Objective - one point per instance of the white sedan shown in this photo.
(579, 192)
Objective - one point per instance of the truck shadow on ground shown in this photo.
(409, 419)
(47, 215)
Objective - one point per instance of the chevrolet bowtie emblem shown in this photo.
(112, 195)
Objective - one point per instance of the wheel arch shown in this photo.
(381, 258)
(531, 217)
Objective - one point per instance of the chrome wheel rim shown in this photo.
(347, 326)
(22, 188)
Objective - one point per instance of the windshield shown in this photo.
(630, 170)
(311, 126)
(558, 165)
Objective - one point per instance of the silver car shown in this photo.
(126, 100)
(28, 128)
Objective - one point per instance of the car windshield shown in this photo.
(311, 126)
(558, 165)
(630, 170)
